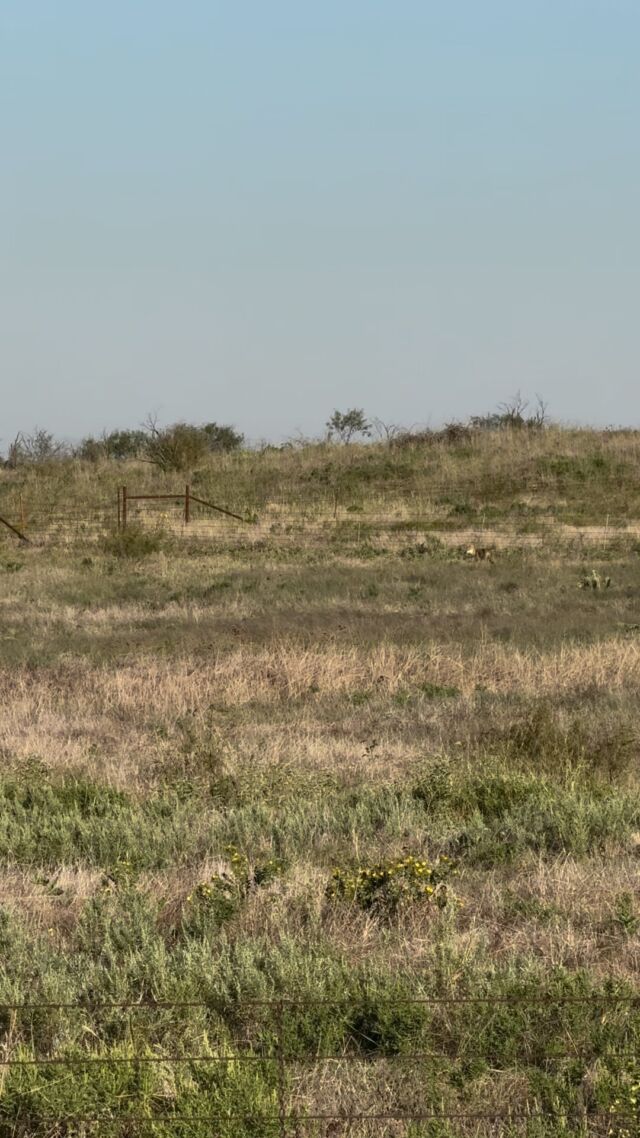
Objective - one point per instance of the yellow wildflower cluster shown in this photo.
(121, 875)
(222, 893)
(387, 886)
(207, 890)
(215, 900)
(247, 874)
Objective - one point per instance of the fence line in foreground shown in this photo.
(291, 1115)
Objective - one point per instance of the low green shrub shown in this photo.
(495, 813)
(133, 542)
(552, 740)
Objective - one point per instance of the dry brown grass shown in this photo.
(110, 715)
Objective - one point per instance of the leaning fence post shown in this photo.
(187, 504)
(14, 530)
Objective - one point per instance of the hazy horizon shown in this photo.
(257, 213)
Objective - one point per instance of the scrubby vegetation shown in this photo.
(325, 759)
(465, 476)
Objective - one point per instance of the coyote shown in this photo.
(479, 554)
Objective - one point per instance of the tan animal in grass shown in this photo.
(479, 553)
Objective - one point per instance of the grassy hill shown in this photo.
(518, 476)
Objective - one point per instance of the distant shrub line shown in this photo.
(182, 445)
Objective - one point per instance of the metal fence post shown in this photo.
(187, 504)
(124, 507)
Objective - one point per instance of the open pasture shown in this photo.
(349, 767)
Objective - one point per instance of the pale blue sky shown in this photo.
(257, 210)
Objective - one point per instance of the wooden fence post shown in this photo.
(124, 507)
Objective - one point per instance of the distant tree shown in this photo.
(13, 454)
(512, 412)
(124, 444)
(180, 446)
(222, 438)
(112, 444)
(387, 432)
(90, 449)
(513, 415)
(540, 416)
(39, 446)
(345, 424)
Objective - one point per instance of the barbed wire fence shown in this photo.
(384, 515)
(362, 1087)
